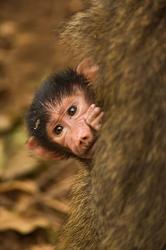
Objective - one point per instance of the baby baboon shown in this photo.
(121, 203)
(63, 121)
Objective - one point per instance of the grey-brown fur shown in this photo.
(121, 203)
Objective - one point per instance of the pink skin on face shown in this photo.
(71, 122)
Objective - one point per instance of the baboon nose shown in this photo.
(84, 140)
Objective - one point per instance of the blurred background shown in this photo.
(34, 195)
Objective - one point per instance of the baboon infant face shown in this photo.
(73, 123)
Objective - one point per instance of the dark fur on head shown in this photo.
(53, 90)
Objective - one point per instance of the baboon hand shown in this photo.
(94, 117)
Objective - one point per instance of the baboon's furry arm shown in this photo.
(121, 203)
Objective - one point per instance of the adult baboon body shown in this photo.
(121, 203)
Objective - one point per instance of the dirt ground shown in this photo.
(34, 195)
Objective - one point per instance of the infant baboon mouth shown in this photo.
(89, 147)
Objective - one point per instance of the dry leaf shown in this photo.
(20, 223)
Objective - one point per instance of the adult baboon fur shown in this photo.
(120, 204)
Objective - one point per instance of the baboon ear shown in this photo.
(38, 150)
(88, 68)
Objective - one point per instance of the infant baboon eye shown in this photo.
(58, 129)
(72, 110)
